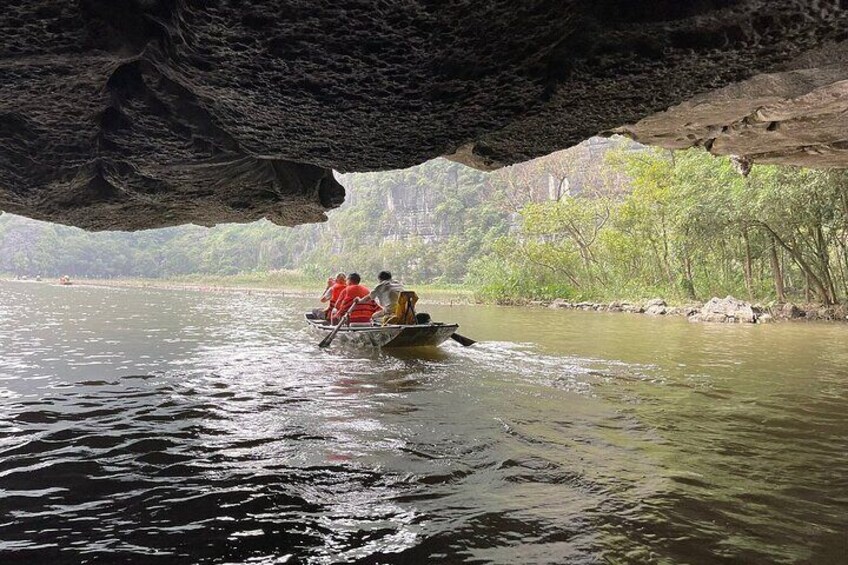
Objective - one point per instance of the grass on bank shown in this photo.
(282, 280)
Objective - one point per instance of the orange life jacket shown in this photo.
(335, 292)
(362, 312)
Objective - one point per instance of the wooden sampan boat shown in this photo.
(418, 335)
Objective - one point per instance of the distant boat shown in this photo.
(368, 335)
(65, 280)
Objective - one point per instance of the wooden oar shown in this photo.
(329, 339)
(465, 341)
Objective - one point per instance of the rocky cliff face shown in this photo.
(412, 212)
(128, 114)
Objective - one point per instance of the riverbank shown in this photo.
(427, 294)
(717, 310)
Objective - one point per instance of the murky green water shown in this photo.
(174, 427)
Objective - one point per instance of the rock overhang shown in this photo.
(131, 114)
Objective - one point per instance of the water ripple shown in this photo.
(154, 428)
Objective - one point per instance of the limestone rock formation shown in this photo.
(129, 114)
(725, 310)
(656, 307)
(796, 117)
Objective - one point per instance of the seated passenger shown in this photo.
(335, 286)
(354, 298)
(386, 295)
(331, 295)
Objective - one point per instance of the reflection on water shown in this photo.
(158, 427)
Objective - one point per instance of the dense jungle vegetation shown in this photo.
(603, 221)
(689, 227)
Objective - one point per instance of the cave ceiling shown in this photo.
(133, 114)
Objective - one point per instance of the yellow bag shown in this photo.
(405, 311)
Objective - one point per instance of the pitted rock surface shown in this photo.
(131, 114)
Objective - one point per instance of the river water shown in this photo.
(150, 426)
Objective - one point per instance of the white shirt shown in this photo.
(386, 294)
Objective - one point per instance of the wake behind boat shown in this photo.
(390, 335)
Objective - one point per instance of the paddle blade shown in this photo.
(327, 340)
(462, 340)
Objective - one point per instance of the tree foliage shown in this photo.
(690, 227)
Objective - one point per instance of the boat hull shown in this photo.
(422, 335)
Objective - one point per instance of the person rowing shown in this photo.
(357, 305)
(386, 295)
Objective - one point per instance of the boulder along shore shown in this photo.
(715, 310)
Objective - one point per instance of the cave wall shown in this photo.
(131, 114)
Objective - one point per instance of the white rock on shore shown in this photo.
(725, 310)
(717, 310)
(656, 307)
